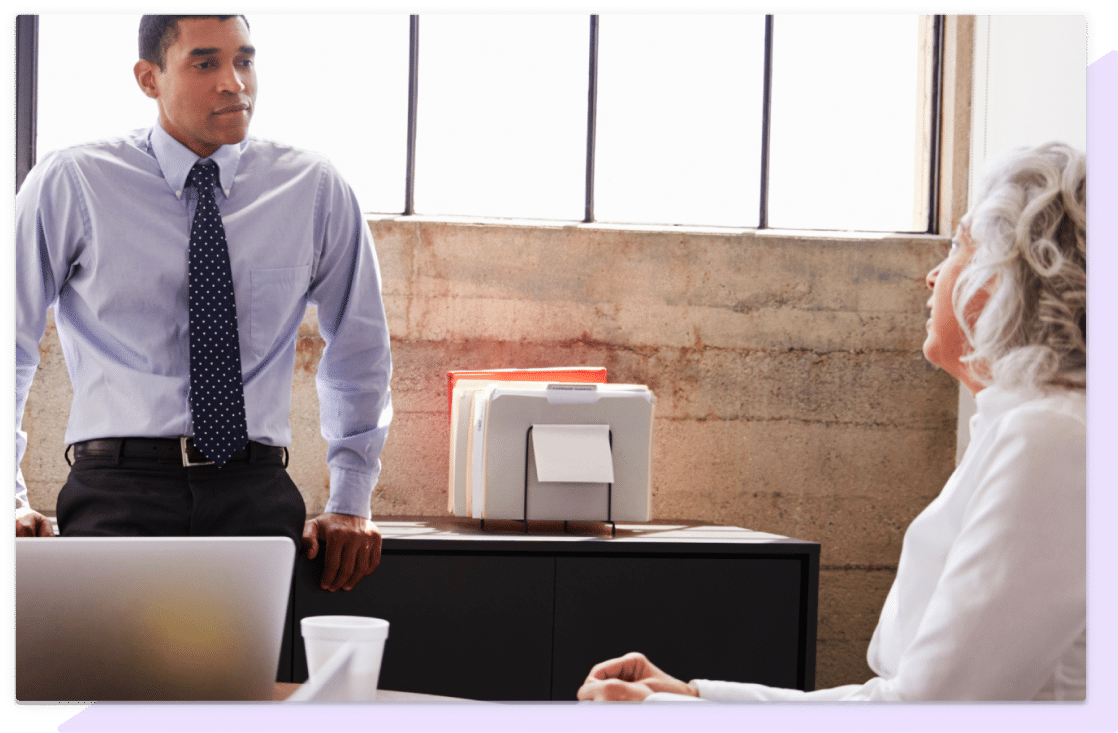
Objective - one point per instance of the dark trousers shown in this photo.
(106, 496)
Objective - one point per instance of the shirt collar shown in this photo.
(994, 401)
(176, 160)
(991, 403)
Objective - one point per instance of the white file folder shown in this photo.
(557, 452)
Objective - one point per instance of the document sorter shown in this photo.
(547, 451)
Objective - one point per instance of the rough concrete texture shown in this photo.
(792, 393)
(850, 601)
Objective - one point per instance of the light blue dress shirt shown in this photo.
(102, 233)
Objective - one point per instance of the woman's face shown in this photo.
(946, 344)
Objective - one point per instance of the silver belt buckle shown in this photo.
(186, 454)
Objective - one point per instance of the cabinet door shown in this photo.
(471, 626)
(694, 617)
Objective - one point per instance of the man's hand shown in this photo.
(631, 677)
(29, 523)
(351, 545)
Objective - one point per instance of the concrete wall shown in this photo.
(792, 393)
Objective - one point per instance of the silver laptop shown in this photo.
(153, 618)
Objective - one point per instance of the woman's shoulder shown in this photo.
(1031, 455)
(1032, 428)
(1057, 409)
(1039, 408)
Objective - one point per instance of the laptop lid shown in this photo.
(150, 618)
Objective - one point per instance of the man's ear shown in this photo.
(147, 75)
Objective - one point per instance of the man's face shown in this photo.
(206, 91)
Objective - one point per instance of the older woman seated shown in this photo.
(989, 602)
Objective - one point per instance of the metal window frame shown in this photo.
(935, 124)
(935, 127)
(27, 34)
(27, 91)
(591, 119)
(766, 120)
(413, 108)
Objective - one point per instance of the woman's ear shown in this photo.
(147, 76)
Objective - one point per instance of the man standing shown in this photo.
(180, 260)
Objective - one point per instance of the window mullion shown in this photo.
(936, 125)
(591, 118)
(413, 95)
(27, 83)
(766, 104)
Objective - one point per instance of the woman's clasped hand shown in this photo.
(631, 677)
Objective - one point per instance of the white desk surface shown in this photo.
(285, 689)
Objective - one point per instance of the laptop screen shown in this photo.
(164, 618)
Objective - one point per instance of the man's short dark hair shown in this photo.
(158, 32)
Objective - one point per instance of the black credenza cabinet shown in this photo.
(498, 613)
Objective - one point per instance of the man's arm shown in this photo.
(29, 523)
(49, 230)
(355, 405)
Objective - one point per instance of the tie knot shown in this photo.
(203, 175)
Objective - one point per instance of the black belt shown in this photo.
(168, 450)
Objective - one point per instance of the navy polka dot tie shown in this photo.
(217, 399)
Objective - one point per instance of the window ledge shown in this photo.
(551, 224)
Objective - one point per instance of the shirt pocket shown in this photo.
(278, 299)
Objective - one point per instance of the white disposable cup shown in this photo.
(325, 635)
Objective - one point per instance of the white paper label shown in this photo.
(573, 454)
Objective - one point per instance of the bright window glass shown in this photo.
(848, 126)
(502, 112)
(501, 120)
(341, 90)
(679, 119)
(87, 89)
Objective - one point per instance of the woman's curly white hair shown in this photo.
(1030, 233)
